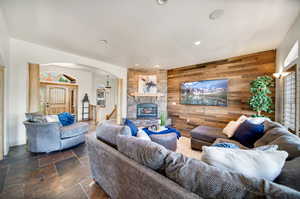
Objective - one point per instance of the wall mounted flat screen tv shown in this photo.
(206, 93)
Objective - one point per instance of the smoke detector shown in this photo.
(161, 2)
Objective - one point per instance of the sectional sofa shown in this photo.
(128, 167)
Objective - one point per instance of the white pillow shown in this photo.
(258, 120)
(143, 135)
(231, 128)
(52, 118)
(252, 163)
(242, 119)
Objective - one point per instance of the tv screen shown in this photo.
(206, 93)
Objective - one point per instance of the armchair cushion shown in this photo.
(74, 130)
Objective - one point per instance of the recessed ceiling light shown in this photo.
(197, 43)
(136, 65)
(216, 14)
(161, 2)
(156, 66)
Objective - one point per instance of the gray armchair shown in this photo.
(50, 136)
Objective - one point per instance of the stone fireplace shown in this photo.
(146, 110)
(146, 106)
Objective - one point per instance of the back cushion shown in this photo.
(143, 151)
(290, 144)
(35, 117)
(290, 174)
(268, 124)
(108, 132)
(212, 182)
(271, 135)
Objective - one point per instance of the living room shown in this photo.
(149, 99)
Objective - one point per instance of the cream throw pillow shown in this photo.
(231, 128)
(252, 163)
(52, 118)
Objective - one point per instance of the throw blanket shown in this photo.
(167, 131)
(66, 119)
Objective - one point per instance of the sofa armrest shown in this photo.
(43, 137)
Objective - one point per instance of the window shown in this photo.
(289, 106)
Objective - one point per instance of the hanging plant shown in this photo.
(260, 101)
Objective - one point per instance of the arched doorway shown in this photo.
(58, 93)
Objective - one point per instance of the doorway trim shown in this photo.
(2, 98)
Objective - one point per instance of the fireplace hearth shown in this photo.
(146, 110)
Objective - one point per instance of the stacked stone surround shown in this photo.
(132, 87)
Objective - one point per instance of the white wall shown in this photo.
(4, 61)
(21, 53)
(84, 80)
(111, 97)
(282, 51)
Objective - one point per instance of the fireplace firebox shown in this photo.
(146, 110)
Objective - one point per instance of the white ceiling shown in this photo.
(145, 33)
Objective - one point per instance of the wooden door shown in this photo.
(1, 112)
(57, 100)
(58, 97)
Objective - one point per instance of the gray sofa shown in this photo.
(126, 167)
(51, 136)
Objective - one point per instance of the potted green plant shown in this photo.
(260, 101)
(162, 119)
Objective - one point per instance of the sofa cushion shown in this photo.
(290, 174)
(290, 144)
(144, 152)
(211, 182)
(169, 141)
(35, 117)
(74, 130)
(108, 132)
(267, 148)
(248, 133)
(207, 133)
(271, 135)
(268, 124)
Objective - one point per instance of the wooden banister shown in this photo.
(114, 111)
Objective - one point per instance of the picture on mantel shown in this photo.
(147, 84)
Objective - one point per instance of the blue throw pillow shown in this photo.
(66, 119)
(226, 145)
(248, 133)
(131, 125)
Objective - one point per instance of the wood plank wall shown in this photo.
(240, 71)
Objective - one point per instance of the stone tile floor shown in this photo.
(60, 175)
(63, 174)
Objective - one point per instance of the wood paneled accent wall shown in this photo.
(240, 71)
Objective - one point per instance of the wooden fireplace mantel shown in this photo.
(136, 94)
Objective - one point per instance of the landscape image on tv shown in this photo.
(207, 93)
